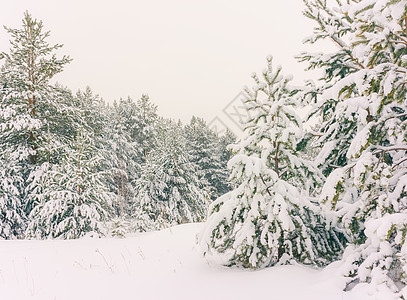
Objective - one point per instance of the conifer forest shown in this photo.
(316, 182)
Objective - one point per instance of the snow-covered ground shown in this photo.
(155, 265)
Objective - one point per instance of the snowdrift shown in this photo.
(156, 265)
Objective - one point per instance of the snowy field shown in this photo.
(156, 265)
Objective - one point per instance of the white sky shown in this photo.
(191, 57)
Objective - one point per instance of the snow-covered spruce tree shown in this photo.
(268, 219)
(204, 148)
(365, 133)
(168, 190)
(71, 199)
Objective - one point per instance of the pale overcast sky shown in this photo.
(191, 57)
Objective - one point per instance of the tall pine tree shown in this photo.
(28, 106)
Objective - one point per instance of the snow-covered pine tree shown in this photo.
(132, 133)
(225, 141)
(102, 122)
(336, 66)
(168, 190)
(11, 183)
(268, 219)
(71, 199)
(365, 133)
(27, 102)
(27, 70)
(205, 149)
(91, 114)
(140, 119)
(12, 217)
(145, 126)
(123, 159)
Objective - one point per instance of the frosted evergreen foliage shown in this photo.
(91, 114)
(145, 125)
(224, 145)
(12, 218)
(365, 131)
(71, 200)
(132, 133)
(118, 153)
(29, 108)
(140, 119)
(123, 157)
(27, 98)
(268, 219)
(168, 190)
(205, 148)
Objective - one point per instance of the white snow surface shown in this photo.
(157, 265)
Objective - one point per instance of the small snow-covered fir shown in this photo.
(269, 218)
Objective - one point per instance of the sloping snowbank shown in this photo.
(156, 265)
